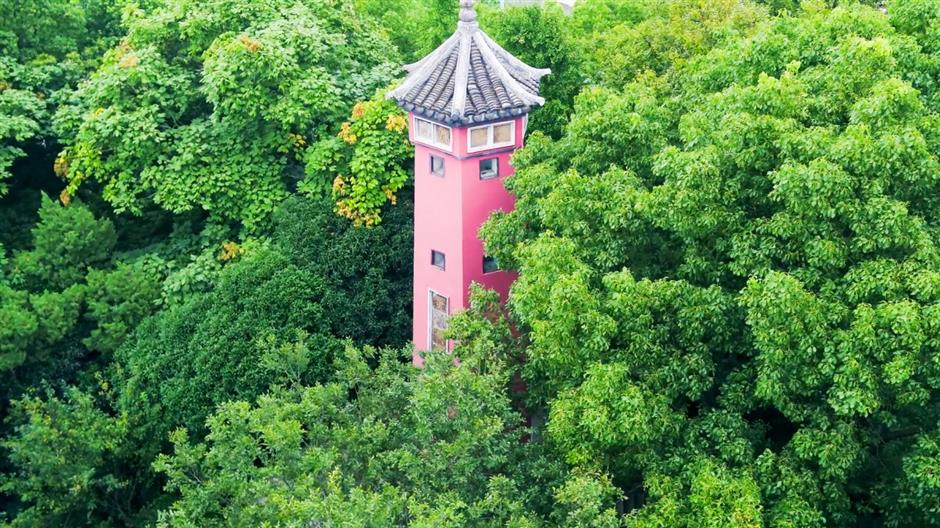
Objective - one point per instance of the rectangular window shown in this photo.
(437, 259)
(502, 133)
(490, 265)
(437, 165)
(489, 168)
(423, 129)
(478, 137)
(438, 308)
(442, 135)
(432, 133)
(491, 136)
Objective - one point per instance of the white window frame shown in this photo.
(431, 294)
(490, 144)
(432, 141)
(495, 170)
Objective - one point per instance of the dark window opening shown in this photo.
(489, 168)
(490, 265)
(437, 165)
(437, 259)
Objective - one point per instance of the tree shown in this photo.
(432, 447)
(728, 280)
(67, 241)
(59, 450)
(365, 164)
(45, 47)
(540, 36)
(67, 302)
(58, 28)
(210, 105)
(268, 311)
(117, 301)
(41, 297)
(416, 27)
(319, 281)
(20, 112)
(29, 94)
(33, 322)
(629, 38)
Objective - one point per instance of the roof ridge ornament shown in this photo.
(468, 15)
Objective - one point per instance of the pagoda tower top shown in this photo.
(469, 79)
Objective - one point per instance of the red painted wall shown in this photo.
(449, 211)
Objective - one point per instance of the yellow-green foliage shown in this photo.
(209, 105)
(364, 165)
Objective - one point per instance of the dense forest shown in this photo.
(727, 236)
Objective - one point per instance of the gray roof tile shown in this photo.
(469, 79)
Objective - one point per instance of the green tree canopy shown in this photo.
(365, 164)
(416, 27)
(64, 449)
(423, 448)
(319, 281)
(210, 105)
(41, 296)
(730, 271)
(540, 36)
(620, 39)
(58, 28)
(233, 322)
(45, 48)
(727, 236)
(68, 301)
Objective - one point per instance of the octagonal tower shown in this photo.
(468, 104)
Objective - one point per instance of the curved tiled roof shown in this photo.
(469, 79)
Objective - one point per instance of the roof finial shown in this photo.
(467, 14)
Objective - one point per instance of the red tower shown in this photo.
(468, 103)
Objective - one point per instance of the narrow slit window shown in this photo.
(437, 165)
(489, 168)
(490, 265)
(438, 314)
(437, 259)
